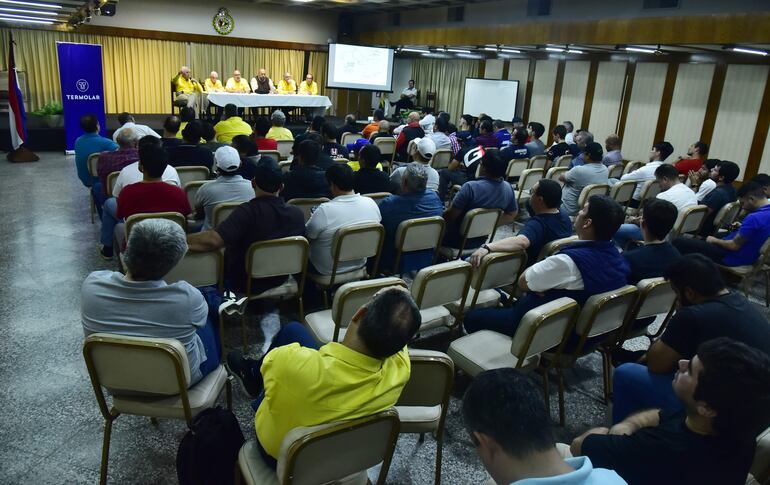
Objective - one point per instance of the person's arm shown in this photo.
(253, 84)
(553, 272)
(316, 224)
(451, 214)
(637, 175)
(643, 419)
(661, 358)
(201, 242)
(272, 86)
(576, 448)
(728, 244)
(507, 218)
(507, 245)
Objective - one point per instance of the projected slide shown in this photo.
(495, 98)
(359, 67)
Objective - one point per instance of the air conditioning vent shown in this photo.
(538, 8)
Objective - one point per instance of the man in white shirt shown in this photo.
(408, 98)
(660, 152)
(428, 120)
(126, 120)
(570, 138)
(347, 208)
(131, 175)
(227, 187)
(422, 152)
(672, 190)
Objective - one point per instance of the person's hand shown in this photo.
(735, 226)
(621, 429)
(711, 239)
(633, 220)
(477, 256)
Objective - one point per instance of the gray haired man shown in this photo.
(141, 304)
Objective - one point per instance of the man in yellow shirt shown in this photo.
(237, 84)
(308, 86)
(362, 375)
(287, 85)
(278, 131)
(211, 85)
(187, 89)
(231, 126)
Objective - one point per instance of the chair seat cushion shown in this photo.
(324, 280)
(486, 299)
(484, 350)
(287, 289)
(419, 419)
(322, 326)
(253, 467)
(737, 270)
(433, 317)
(202, 395)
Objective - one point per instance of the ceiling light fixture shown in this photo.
(491, 49)
(749, 51)
(32, 4)
(440, 49)
(459, 51)
(29, 21)
(10, 15)
(409, 49)
(554, 49)
(640, 49)
(574, 51)
(510, 51)
(470, 56)
(21, 10)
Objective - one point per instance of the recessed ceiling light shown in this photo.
(511, 51)
(491, 49)
(574, 51)
(32, 4)
(640, 49)
(749, 51)
(29, 21)
(459, 51)
(554, 49)
(21, 10)
(409, 49)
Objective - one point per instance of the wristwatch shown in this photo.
(485, 246)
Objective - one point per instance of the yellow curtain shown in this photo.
(317, 65)
(447, 78)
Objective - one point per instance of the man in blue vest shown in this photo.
(584, 268)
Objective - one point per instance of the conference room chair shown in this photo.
(615, 171)
(307, 205)
(545, 328)
(623, 192)
(199, 269)
(191, 190)
(630, 166)
(725, 217)
(377, 196)
(284, 148)
(588, 191)
(478, 222)
(600, 317)
(387, 146)
(527, 180)
(563, 161)
(351, 243)
(555, 172)
(745, 274)
(222, 211)
(342, 160)
(515, 168)
(650, 189)
(285, 165)
(192, 174)
(147, 377)
(112, 178)
(497, 270)
(338, 453)
(441, 158)
(172, 216)
(760, 467)
(409, 151)
(274, 154)
(438, 285)
(92, 162)
(552, 247)
(349, 137)
(330, 325)
(172, 93)
(689, 221)
(424, 401)
(538, 161)
(416, 235)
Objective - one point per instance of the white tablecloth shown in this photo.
(251, 100)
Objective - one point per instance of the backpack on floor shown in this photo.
(209, 450)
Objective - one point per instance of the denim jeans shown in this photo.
(109, 221)
(98, 194)
(635, 389)
(626, 234)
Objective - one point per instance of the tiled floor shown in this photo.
(50, 424)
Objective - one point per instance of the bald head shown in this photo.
(185, 72)
(214, 75)
(414, 117)
(384, 127)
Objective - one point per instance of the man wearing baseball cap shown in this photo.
(228, 187)
(575, 179)
(422, 152)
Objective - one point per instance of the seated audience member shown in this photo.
(559, 147)
(411, 131)
(517, 148)
(501, 133)
(368, 178)
(210, 137)
(141, 304)
(535, 147)
(249, 155)
(229, 186)
(653, 258)
(740, 247)
(278, 131)
(427, 120)
(190, 153)
(263, 217)
(725, 393)
(586, 267)
(672, 190)
(330, 146)
(465, 128)
(613, 155)
(696, 154)
(708, 310)
(261, 128)
(87, 144)
(345, 209)
(489, 191)
(316, 124)
(414, 201)
(440, 134)
(461, 169)
(382, 132)
(701, 180)
(724, 174)
(486, 137)
(127, 121)
(569, 127)
(362, 375)
(374, 126)
(763, 179)
(547, 224)
(109, 162)
(232, 125)
(659, 153)
(306, 179)
(423, 150)
(170, 130)
(350, 126)
(186, 115)
(590, 171)
(131, 173)
(510, 427)
(583, 138)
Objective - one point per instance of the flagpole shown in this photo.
(17, 115)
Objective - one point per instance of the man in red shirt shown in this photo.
(411, 131)
(261, 127)
(696, 154)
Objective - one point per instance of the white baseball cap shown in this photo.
(227, 159)
(426, 147)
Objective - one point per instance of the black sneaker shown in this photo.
(244, 370)
(106, 253)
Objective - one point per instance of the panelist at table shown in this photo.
(308, 86)
(212, 84)
(287, 85)
(187, 89)
(261, 83)
(237, 84)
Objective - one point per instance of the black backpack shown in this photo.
(209, 451)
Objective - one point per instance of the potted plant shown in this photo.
(52, 114)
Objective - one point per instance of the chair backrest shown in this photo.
(726, 215)
(355, 445)
(358, 241)
(631, 166)
(538, 161)
(93, 160)
(441, 284)
(544, 328)
(420, 233)
(284, 148)
(516, 167)
(350, 138)
(592, 189)
(285, 165)
(351, 296)
(615, 171)
(529, 178)
(441, 158)
(112, 178)
(656, 296)
(277, 257)
(387, 145)
(191, 174)
(605, 312)
(623, 192)
(172, 216)
(198, 269)
(760, 468)
(689, 220)
(223, 210)
(563, 161)
(307, 206)
(650, 190)
(430, 380)
(764, 255)
(409, 150)
(191, 189)
(480, 222)
(274, 154)
(498, 270)
(552, 247)
(554, 173)
(377, 196)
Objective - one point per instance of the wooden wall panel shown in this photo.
(518, 70)
(764, 163)
(688, 105)
(573, 92)
(608, 93)
(493, 69)
(542, 91)
(738, 112)
(643, 109)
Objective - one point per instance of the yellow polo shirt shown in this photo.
(286, 87)
(186, 86)
(211, 87)
(312, 89)
(234, 86)
(279, 133)
(307, 387)
(227, 129)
